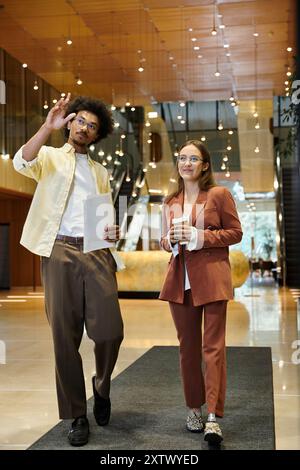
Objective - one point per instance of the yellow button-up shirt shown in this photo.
(53, 169)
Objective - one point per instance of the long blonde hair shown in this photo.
(206, 179)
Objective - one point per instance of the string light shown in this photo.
(35, 86)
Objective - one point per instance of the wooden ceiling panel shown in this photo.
(107, 35)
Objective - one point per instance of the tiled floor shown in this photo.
(27, 388)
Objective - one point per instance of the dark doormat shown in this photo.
(148, 409)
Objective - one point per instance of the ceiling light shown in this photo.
(217, 73)
(171, 57)
(213, 32)
(24, 66)
(203, 138)
(62, 94)
(109, 158)
(286, 82)
(132, 108)
(179, 117)
(46, 105)
(116, 124)
(257, 126)
(101, 153)
(182, 104)
(229, 147)
(54, 101)
(141, 69)
(222, 26)
(220, 126)
(79, 81)
(230, 132)
(228, 54)
(199, 56)
(147, 124)
(190, 30)
(35, 86)
(289, 49)
(256, 150)
(196, 48)
(123, 136)
(194, 39)
(226, 46)
(69, 42)
(152, 114)
(225, 158)
(127, 103)
(5, 156)
(113, 107)
(227, 174)
(223, 166)
(255, 35)
(255, 114)
(182, 121)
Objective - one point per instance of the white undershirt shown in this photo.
(83, 185)
(190, 246)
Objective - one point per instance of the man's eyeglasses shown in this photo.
(90, 125)
(192, 159)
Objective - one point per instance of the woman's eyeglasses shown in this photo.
(192, 159)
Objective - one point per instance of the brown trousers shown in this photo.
(81, 289)
(188, 322)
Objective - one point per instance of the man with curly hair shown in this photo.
(80, 288)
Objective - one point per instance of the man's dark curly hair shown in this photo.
(85, 103)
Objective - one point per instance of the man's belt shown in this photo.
(73, 240)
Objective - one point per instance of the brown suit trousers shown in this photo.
(188, 322)
(81, 290)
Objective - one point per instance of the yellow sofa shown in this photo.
(145, 270)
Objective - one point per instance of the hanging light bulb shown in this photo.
(24, 66)
(223, 166)
(127, 103)
(121, 153)
(225, 158)
(46, 105)
(62, 94)
(203, 138)
(128, 179)
(147, 124)
(109, 158)
(132, 108)
(220, 126)
(35, 86)
(227, 174)
(141, 69)
(179, 117)
(288, 73)
(230, 132)
(182, 104)
(145, 170)
(113, 107)
(101, 153)
(54, 101)
(256, 150)
(79, 81)
(255, 114)
(257, 126)
(289, 49)
(69, 42)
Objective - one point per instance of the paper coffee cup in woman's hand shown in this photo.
(178, 224)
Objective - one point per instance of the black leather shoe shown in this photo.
(79, 432)
(101, 408)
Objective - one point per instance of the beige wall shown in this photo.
(10, 179)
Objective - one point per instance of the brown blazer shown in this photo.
(217, 222)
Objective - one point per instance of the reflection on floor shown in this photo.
(260, 315)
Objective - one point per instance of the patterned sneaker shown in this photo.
(194, 422)
(212, 433)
